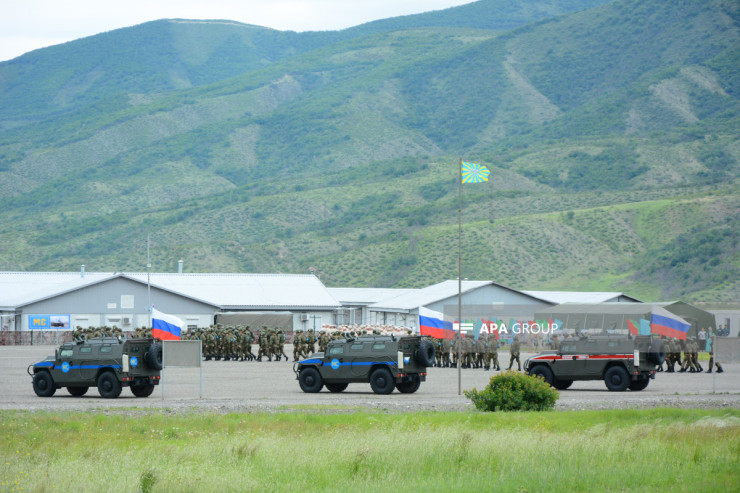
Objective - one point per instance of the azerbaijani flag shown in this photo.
(474, 173)
(432, 323)
(166, 327)
(668, 324)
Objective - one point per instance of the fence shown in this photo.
(34, 337)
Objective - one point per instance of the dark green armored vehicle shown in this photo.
(622, 362)
(386, 362)
(106, 363)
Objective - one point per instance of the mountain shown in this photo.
(610, 130)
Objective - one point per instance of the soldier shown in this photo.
(446, 346)
(556, 343)
(79, 334)
(323, 341)
(710, 348)
(485, 348)
(297, 344)
(494, 353)
(514, 353)
(455, 347)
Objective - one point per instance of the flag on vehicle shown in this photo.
(166, 327)
(432, 323)
(474, 173)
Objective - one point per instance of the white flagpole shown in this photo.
(459, 280)
(148, 281)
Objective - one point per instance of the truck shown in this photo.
(386, 362)
(622, 362)
(106, 363)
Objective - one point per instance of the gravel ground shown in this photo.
(233, 386)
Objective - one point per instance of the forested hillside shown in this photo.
(610, 129)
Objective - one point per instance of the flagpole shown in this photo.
(148, 283)
(459, 279)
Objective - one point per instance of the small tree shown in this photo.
(514, 391)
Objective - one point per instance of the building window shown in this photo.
(127, 301)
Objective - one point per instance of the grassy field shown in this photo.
(344, 449)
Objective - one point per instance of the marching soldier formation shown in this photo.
(234, 343)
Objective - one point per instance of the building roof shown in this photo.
(23, 288)
(366, 296)
(431, 294)
(559, 297)
(225, 291)
(247, 291)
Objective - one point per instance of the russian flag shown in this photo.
(669, 325)
(166, 327)
(432, 323)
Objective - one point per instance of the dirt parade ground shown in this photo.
(241, 386)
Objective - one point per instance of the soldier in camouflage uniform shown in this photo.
(323, 341)
(514, 353)
(297, 344)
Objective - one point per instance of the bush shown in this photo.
(514, 391)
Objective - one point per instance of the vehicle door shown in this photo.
(65, 368)
(362, 358)
(572, 360)
(335, 364)
(83, 362)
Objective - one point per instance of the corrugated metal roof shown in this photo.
(22, 288)
(578, 296)
(247, 291)
(425, 296)
(228, 291)
(366, 296)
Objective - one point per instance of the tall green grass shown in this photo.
(131, 450)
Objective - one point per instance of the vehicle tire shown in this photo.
(543, 371)
(144, 390)
(336, 387)
(77, 391)
(43, 384)
(409, 387)
(640, 384)
(153, 356)
(616, 379)
(310, 380)
(108, 385)
(381, 381)
(656, 353)
(561, 384)
(425, 353)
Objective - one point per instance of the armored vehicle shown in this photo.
(386, 362)
(622, 362)
(106, 363)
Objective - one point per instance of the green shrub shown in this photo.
(514, 391)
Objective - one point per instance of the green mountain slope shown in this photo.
(611, 134)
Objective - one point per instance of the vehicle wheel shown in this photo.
(153, 356)
(43, 384)
(425, 353)
(561, 384)
(336, 387)
(616, 379)
(543, 371)
(142, 390)
(108, 385)
(409, 387)
(77, 391)
(381, 381)
(310, 380)
(639, 384)
(656, 354)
